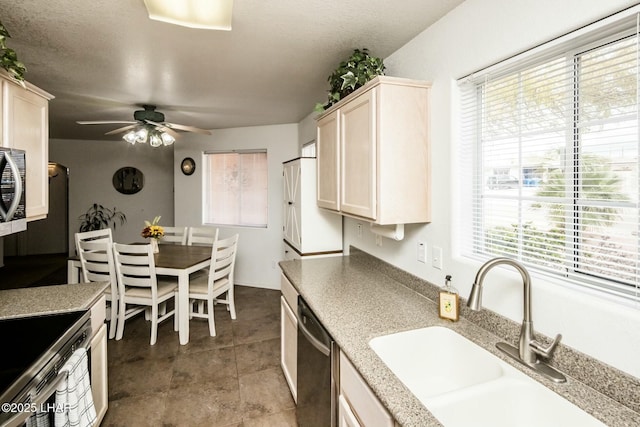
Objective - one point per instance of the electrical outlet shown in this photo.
(436, 258)
(359, 229)
(422, 252)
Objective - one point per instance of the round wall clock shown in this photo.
(188, 166)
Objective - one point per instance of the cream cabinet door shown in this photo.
(358, 156)
(27, 128)
(328, 157)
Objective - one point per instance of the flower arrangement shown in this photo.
(152, 229)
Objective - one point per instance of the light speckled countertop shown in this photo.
(49, 299)
(357, 301)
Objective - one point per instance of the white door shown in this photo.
(292, 199)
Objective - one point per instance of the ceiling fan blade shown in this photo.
(187, 128)
(164, 128)
(105, 122)
(122, 129)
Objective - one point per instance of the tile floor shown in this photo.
(233, 379)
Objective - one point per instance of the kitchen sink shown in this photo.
(462, 384)
(447, 359)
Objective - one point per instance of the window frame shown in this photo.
(473, 244)
(206, 196)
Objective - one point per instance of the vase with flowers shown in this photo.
(153, 231)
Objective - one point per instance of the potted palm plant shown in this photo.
(98, 217)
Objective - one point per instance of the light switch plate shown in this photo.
(422, 252)
(436, 258)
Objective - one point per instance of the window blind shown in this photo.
(549, 153)
(235, 188)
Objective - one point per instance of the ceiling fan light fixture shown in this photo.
(202, 14)
(142, 134)
(167, 139)
(155, 140)
(130, 137)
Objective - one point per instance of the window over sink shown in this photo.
(549, 149)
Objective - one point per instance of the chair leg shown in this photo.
(232, 303)
(114, 319)
(154, 324)
(201, 306)
(212, 322)
(120, 323)
(176, 317)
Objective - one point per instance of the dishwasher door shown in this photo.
(315, 358)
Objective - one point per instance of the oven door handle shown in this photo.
(38, 401)
(17, 192)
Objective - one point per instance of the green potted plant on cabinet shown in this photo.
(8, 57)
(351, 74)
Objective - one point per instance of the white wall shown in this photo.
(91, 167)
(475, 35)
(259, 249)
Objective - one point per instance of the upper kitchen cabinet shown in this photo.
(374, 153)
(25, 126)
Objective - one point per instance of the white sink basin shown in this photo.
(462, 384)
(447, 359)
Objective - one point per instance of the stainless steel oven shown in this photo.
(38, 348)
(317, 370)
(12, 191)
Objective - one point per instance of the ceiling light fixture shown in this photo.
(143, 134)
(203, 14)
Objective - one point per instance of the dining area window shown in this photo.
(235, 188)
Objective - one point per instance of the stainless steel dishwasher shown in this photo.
(317, 369)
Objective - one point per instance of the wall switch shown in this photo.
(436, 258)
(359, 229)
(422, 252)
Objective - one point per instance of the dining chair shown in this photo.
(203, 236)
(218, 282)
(139, 286)
(174, 235)
(96, 260)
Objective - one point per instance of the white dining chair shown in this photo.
(139, 286)
(174, 235)
(204, 236)
(96, 260)
(218, 282)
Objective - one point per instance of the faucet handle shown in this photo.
(548, 351)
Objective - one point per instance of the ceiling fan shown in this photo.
(149, 125)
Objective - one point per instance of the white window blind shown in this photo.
(549, 150)
(235, 188)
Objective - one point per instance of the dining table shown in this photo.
(171, 260)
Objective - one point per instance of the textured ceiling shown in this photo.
(102, 59)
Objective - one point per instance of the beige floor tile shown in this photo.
(145, 410)
(264, 392)
(258, 356)
(204, 367)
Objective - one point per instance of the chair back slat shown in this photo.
(175, 235)
(204, 236)
(223, 259)
(135, 266)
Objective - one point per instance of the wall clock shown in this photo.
(188, 166)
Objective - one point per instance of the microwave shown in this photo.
(12, 191)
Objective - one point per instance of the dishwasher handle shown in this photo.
(304, 316)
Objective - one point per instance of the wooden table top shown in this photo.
(181, 257)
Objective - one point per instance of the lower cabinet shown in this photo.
(99, 386)
(289, 334)
(357, 405)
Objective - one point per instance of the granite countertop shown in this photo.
(356, 302)
(49, 299)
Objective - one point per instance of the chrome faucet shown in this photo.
(530, 352)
